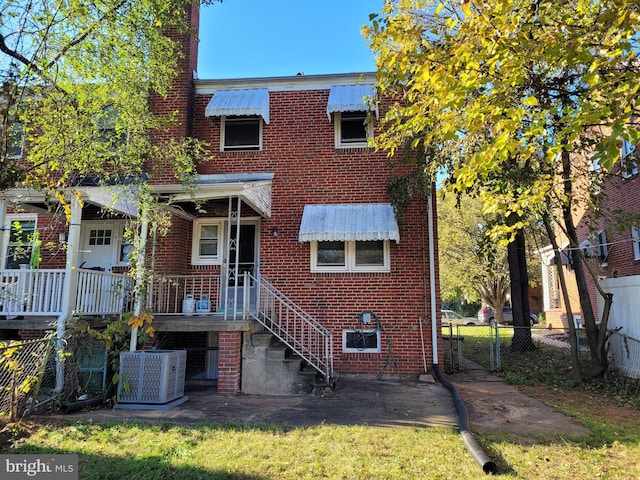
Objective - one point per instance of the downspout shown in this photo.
(469, 440)
(432, 279)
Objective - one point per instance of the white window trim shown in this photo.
(9, 220)
(350, 260)
(223, 122)
(346, 349)
(11, 128)
(196, 259)
(337, 121)
(625, 150)
(635, 236)
(121, 242)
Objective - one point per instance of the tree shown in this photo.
(511, 96)
(472, 267)
(76, 79)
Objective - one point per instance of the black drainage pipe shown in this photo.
(82, 404)
(469, 440)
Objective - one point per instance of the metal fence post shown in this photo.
(498, 366)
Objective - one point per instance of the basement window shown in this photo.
(361, 341)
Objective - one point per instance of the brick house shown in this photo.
(296, 249)
(611, 244)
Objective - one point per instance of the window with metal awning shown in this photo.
(353, 108)
(241, 112)
(349, 238)
(240, 103)
(351, 98)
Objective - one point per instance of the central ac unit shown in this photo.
(151, 376)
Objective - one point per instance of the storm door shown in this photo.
(242, 256)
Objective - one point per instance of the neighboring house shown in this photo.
(610, 247)
(296, 236)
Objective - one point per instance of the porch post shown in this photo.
(225, 267)
(3, 218)
(141, 247)
(70, 284)
(237, 260)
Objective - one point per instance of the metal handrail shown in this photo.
(293, 326)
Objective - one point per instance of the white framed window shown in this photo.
(17, 241)
(125, 247)
(361, 341)
(15, 140)
(353, 129)
(207, 246)
(635, 236)
(350, 256)
(241, 133)
(111, 135)
(628, 164)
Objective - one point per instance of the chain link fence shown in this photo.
(624, 359)
(36, 376)
(538, 353)
(494, 347)
(22, 367)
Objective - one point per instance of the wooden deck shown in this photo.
(212, 322)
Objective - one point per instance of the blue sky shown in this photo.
(265, 38)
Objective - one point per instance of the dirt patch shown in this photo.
(495, 407)
(12, 432)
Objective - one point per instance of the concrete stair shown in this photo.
(269, 367)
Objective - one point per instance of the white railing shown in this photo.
(293, 326)
(39, 292)
(169, 293)
(31, 292)
(103, 293)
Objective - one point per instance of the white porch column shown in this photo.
(141, 249)
(70, 285)
(3, 219)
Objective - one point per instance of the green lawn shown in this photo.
(230, 451)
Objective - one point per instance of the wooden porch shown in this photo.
(33, 299)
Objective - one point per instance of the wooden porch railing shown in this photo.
(103, 293)
(39, 292)
(31, 292)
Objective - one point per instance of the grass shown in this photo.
(142, 451)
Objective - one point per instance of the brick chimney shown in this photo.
(181, 96)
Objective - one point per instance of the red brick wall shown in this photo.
(618, 195)
(298, 147)
(229, 362)
(179, 100)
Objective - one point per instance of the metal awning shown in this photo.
(362, 222)
(351, 98)
(548, 255)
(254, 189)
(239, 103)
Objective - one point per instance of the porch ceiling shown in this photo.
(253, 189)
(121, 198)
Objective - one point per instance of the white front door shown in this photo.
(100, 241)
